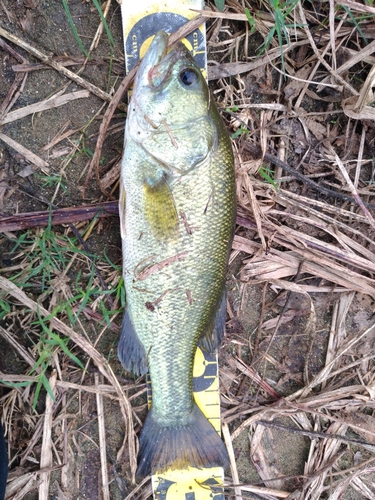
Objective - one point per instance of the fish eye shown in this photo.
(188, 77)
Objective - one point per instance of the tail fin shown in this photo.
(195, 444)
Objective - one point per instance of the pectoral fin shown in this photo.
(160, 209)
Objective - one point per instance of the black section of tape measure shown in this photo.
(163, 485)
(216, 494)
(162, 488)
(205, 380)
(150, 25)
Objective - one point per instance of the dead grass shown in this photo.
(300, 363)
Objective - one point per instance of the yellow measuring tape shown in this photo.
(141, 20)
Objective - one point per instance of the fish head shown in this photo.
(169, 93)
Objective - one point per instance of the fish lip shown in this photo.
(160, 72)
(154, 55)
(157, 64)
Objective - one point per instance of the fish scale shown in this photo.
(177, 209)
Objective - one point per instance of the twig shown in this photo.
(29, 155)
(57, 216)
(233, 465)
(12, 52)
(54, 102)
(352, 188)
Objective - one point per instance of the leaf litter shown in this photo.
(297, 368)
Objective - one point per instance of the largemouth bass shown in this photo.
(177, 209)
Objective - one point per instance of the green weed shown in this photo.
(251, 21)
(355, 22)
(268, 175)
(280, 11)
(242, 130)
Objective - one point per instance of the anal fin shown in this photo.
(213, 336)
(130, 351)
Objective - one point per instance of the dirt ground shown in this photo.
(296, 364)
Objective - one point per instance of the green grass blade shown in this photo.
(348, 11)
(73, 27)
(104, 21)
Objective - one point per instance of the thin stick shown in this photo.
(54, 102)
(315, 434)
(317, 53)
(58, 216)
(253, 148)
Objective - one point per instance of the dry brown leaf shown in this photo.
(286, 317)
(316, 128)
(46, 452)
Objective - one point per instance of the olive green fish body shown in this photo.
(177, 216)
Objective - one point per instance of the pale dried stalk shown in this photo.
(102, 441)
(326, 452)
(351, 186)
(46, 452)
(276, 264)
(54, 102)
(99, 31)
(33, 158)
(233, 465)
(338, 330)
(317, 52)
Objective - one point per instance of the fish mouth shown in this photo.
(156, 66)
(147, 72)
